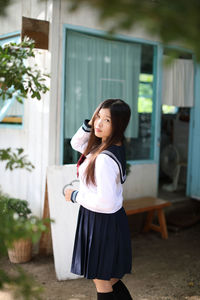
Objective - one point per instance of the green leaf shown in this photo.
(16, 72)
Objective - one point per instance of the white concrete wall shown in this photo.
(141, 182)
(34, 136)
(40, 136)
(27, 8)
(143, 178)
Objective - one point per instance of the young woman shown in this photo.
(102, 248)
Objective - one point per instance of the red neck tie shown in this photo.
(80, 161)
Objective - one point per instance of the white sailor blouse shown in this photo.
(110, 173)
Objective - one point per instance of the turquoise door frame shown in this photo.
(157, 102)
(193, 174)
(157, 91)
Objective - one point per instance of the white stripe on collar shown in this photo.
(109, 153)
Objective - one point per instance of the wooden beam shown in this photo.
(45, 245)
(12, 120)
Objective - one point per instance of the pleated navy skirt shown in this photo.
(102, 247)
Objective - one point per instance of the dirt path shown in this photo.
(162, 270)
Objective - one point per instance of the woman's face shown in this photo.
(102, 124)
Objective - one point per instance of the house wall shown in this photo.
(34, 136)
(40, 136)
(143, 178)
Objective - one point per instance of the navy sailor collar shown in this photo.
(117, 153)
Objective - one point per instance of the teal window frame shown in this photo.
(12, 37)
(157, 75)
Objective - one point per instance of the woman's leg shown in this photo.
(113, 289)
(114, 280)
(104, 289)
(120, 291)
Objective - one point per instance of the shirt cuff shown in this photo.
(73, 196)
(86, 127)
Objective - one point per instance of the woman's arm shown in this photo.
(80, 139)
(103, 199)
(70, 195)
(107, 178)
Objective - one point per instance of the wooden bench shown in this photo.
(149, 205)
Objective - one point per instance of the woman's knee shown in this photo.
(103, 286)
(114, 280)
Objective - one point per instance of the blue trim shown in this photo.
(158, 108)
(190, 142)
(179, 48)
(142, 162)
(3, 114)
(193, 162)
(158, 97)
(154, 103)
(7, 104)
(10, 34)
(86, 127)
(73, 196)
(98, 32)
(63, 96)
(103, 33)
(12, 126)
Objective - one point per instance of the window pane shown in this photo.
(141, 148)
(11, 111)
(98, 69)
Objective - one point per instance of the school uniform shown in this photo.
(102, 247)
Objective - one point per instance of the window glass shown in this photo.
(11, 111)
(97, 69)
(169, 109)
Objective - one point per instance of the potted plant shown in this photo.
(27, 228)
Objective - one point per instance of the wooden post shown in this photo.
(45, 246)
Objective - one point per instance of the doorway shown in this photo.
(177, 101)
(175, 123)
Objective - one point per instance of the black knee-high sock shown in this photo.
(105, 296)
(120, 291)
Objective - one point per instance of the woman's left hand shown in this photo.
(68, 193)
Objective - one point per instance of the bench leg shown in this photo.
(149, 220)
(162, 227)
(162, 222)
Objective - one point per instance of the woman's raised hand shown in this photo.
(94, 114)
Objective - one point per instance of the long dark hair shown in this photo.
(120, 116)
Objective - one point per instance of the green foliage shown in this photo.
(171, 21)
(169, 109)
(7, 224)
(16, 76)
(17, 222)
(15, 159)
(145, 103)
(16, 205)
(3, 6)
(22, 282)
(24, 285)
